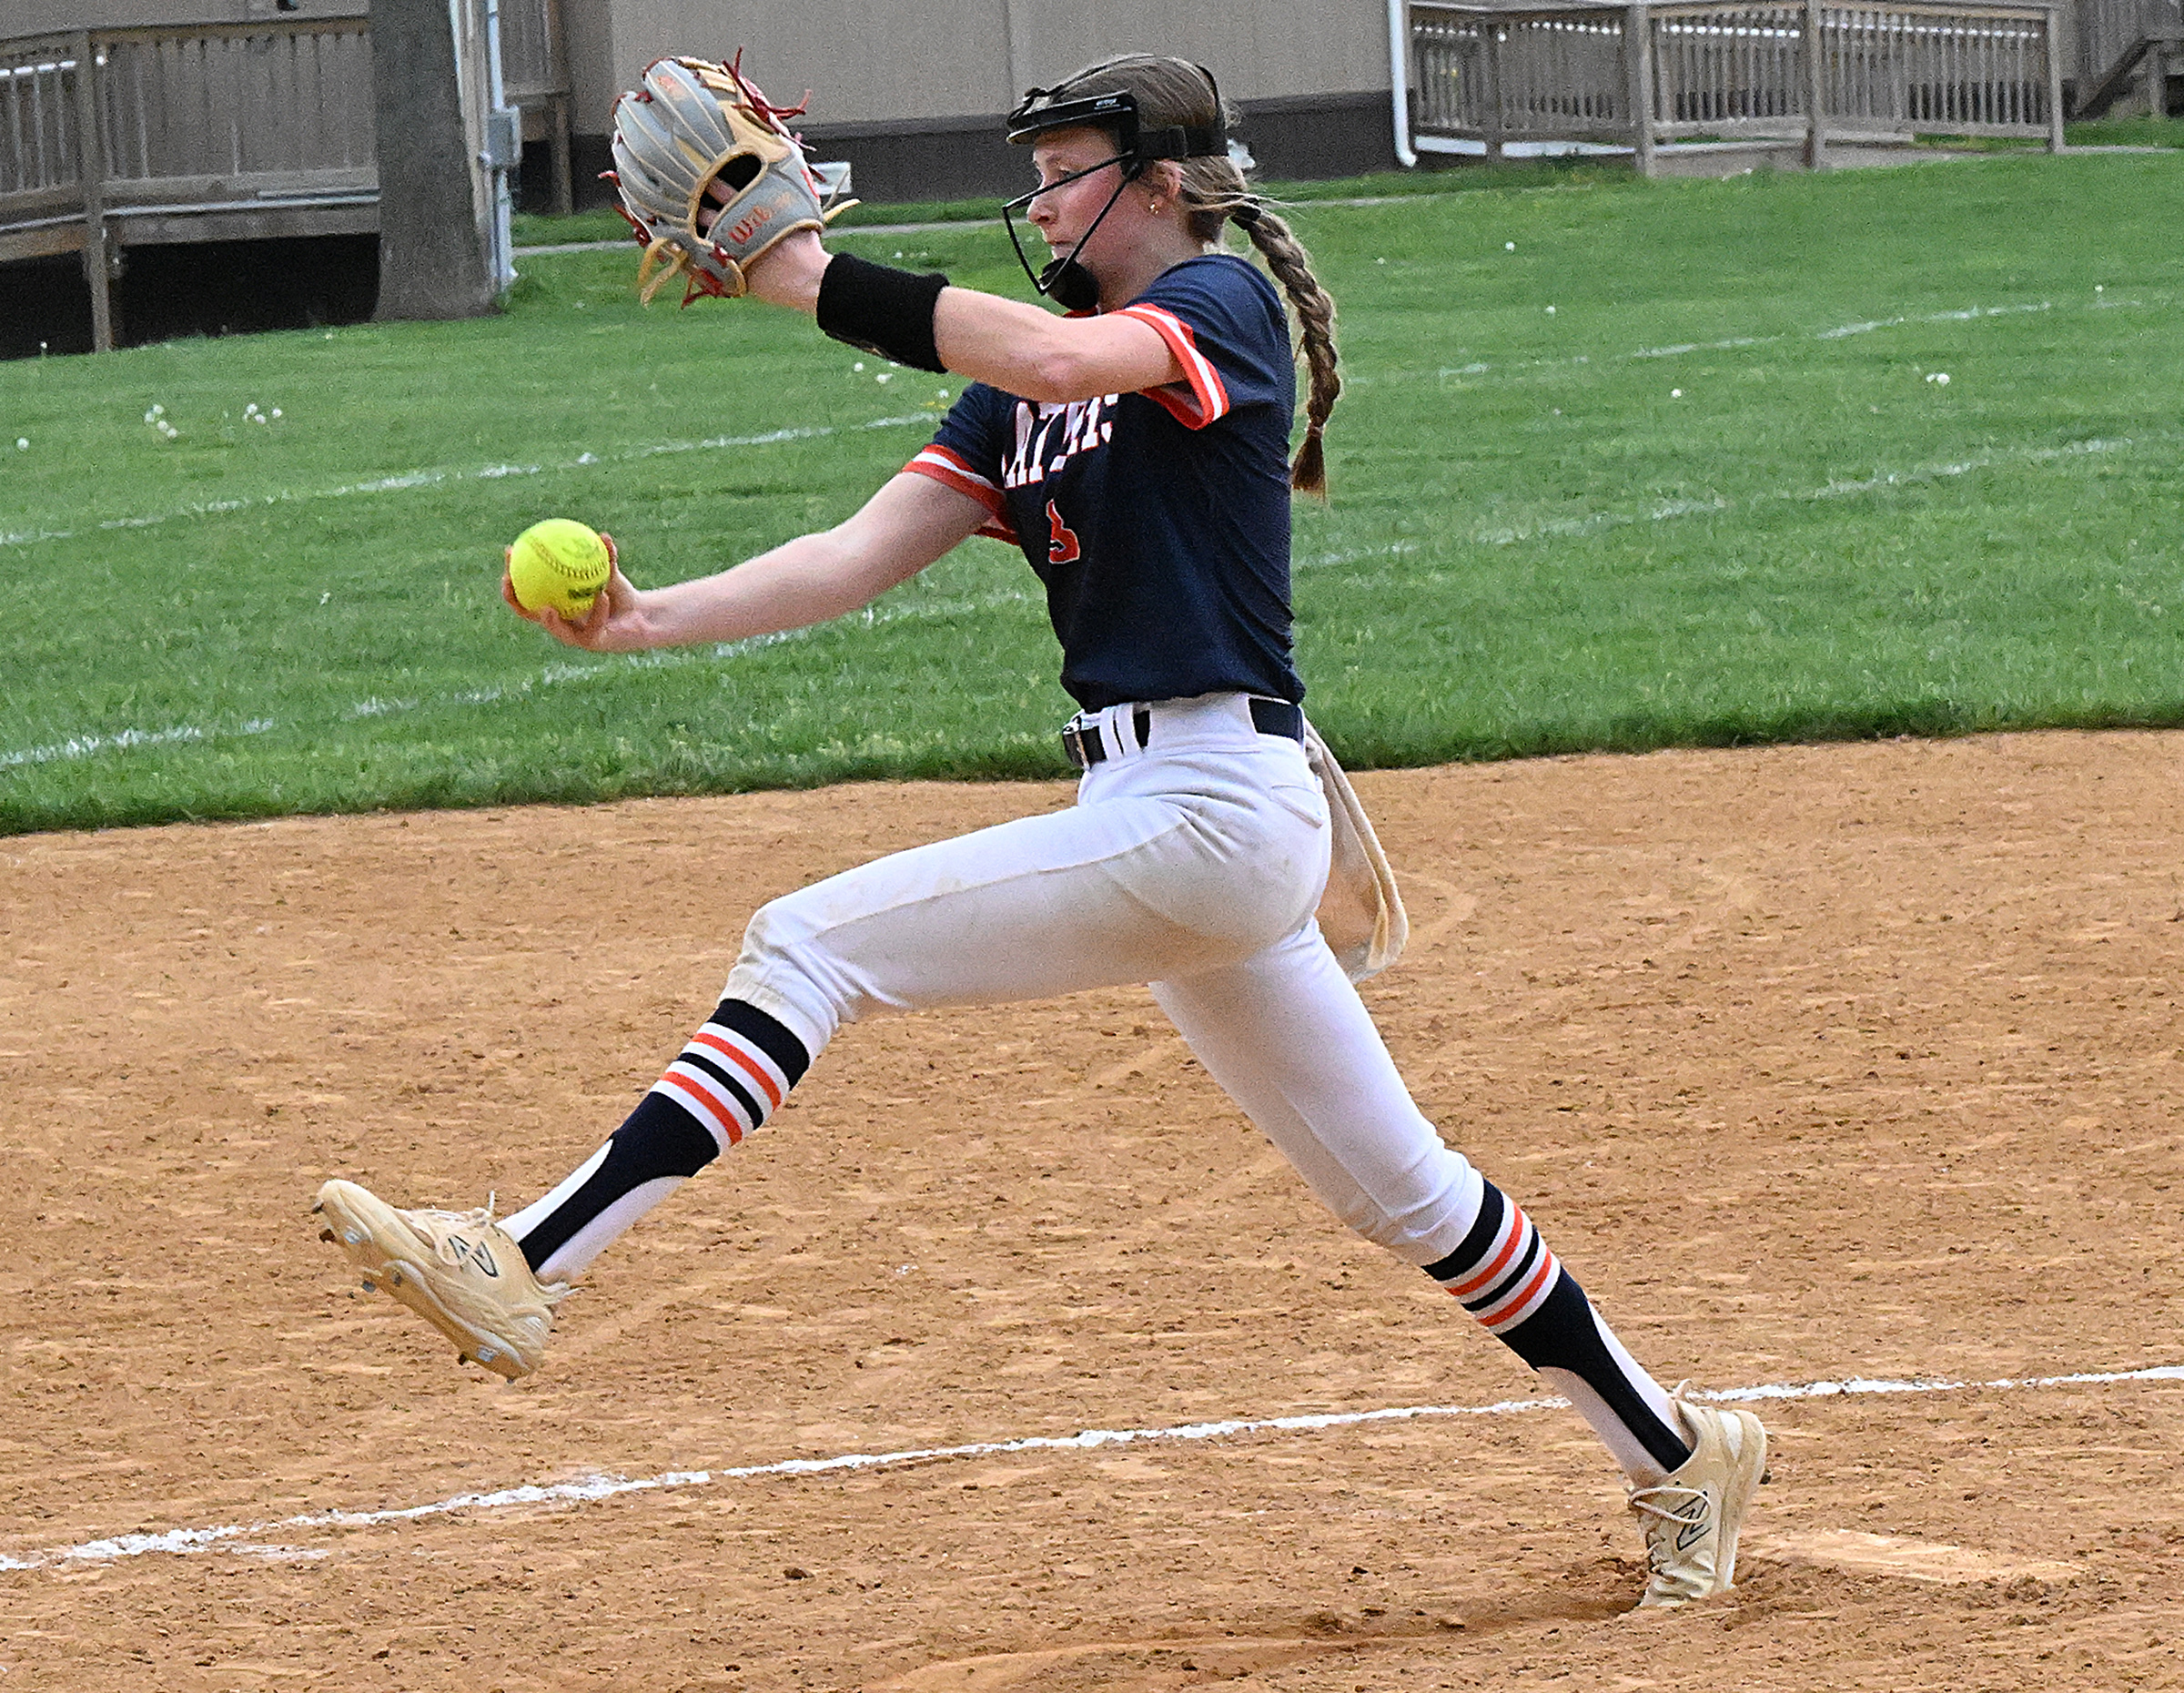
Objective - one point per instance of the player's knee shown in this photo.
(778, 947)
(1426, 1217)
(765, 936)
(780, 972)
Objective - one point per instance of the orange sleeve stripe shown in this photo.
(949, 470)
(1209, 392)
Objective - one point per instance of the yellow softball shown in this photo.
(560, 564)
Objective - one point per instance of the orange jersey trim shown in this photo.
(951, 470)
(1208, 401)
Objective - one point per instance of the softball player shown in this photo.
(1138, 451)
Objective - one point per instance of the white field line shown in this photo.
(1669, 511)
(1842, 331)
(554, 675)
(442, 476)
(590, 1489)
(125, 740)
(1940, 470)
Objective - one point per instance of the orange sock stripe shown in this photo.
(711, 1108)
(1484, 1278)
(1546, 1272)
(741, 1060)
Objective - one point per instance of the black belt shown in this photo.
(1086, 746)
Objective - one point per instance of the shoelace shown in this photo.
(444, 1249)
(1648, 1503)
(443, 1243)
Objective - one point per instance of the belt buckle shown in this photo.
(1072, 742)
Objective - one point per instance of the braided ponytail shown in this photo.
(1214, 192)
(1315, 309)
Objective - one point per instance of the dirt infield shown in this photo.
(1813, 1064)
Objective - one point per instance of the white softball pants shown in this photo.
(1195, 865)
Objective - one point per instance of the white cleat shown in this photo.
(458, 1269)
(1692, 1519)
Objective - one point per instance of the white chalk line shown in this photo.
(592, 1489)
(1671, 511)
(1842, 331)
(1837, 488)
(608, 667)
(443, 476)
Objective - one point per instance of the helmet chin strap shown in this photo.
(1069, 285)
(1063, 280)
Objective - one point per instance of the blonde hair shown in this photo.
(1173, 93)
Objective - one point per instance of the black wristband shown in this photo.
(882, 310)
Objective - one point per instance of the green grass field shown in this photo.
(1621, 464)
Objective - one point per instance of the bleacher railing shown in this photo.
(111, 137)
(1637, 76)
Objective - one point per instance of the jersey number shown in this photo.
(1061, 544)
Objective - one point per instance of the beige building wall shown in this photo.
(912, 61)
(1270, 49)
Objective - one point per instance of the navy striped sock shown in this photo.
(1504, 1275)
(730, 1078)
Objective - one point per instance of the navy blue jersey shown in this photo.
(1159, 522)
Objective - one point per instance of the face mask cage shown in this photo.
(1065, 281)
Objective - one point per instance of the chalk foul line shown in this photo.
(592, 1489)
(442, 477)
(609, 666)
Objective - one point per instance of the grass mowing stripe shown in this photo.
(435, 476)
(606, 669)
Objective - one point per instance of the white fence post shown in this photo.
(1492, 30)
(1398, 80)
(2055, 79)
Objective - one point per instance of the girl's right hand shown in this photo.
(615, 623)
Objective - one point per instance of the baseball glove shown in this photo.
(689, 123)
